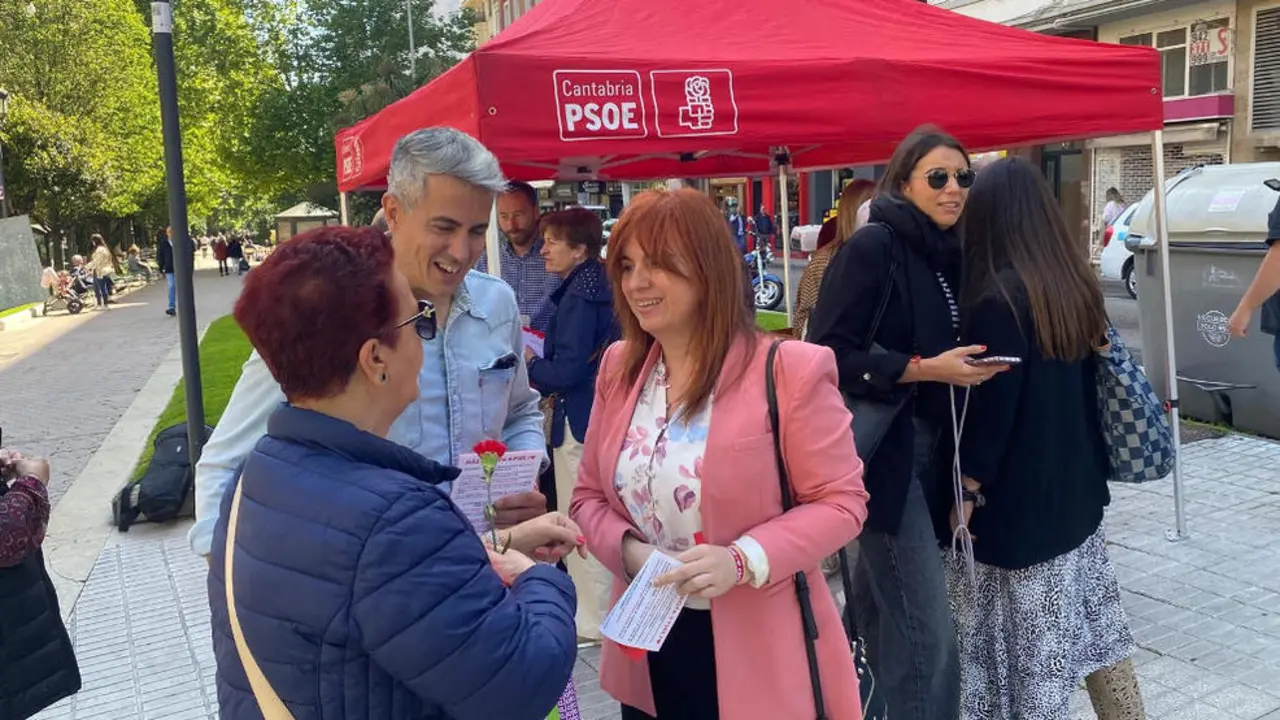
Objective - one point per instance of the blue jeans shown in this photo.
(173, 289)
(903, 612)
(102, 290)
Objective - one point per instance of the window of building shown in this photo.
(1264, 109)
(1195, 59)
(506, 13)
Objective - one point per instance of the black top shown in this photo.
(917, 321)
(1033, 439)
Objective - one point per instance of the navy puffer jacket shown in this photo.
(363, 592)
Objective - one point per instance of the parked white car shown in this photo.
(1117, 260)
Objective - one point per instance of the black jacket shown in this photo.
(164, 256)
(37, 664)
(1033, 439)
(917, 321)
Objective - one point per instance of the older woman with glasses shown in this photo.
(344, 582)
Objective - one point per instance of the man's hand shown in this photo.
(515, 509)
(1239, 322)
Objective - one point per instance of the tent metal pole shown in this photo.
(785, 240)
(491, 242)
(1179, 532)
(342, 208)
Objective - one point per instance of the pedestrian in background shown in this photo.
(104, 270)
(220, 254)
(1044, 611)
(165, 260)
(906, 260)
(582, 326)
(680, 458)
(842, 227)
(37, 663)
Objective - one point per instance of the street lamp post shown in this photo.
(184, 256)
(4, 191)
(413, 55)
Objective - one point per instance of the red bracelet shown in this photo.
(915, 359)
(739, 564)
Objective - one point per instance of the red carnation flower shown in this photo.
(490, 446)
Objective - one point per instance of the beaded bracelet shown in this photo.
(739, 565)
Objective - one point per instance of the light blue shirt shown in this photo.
(473, 385)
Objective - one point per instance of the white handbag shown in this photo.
(269, 702)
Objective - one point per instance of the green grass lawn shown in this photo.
(16, 310)
(770, 321)
(222, 353)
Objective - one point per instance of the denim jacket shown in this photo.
(473, 385)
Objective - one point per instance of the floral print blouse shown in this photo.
(659, 475)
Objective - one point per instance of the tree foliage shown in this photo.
(263, 85)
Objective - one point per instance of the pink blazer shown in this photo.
(761, 667)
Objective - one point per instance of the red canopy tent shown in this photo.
(636, 89)
(640, 89)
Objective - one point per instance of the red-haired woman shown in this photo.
(679, 451)
(358, 589)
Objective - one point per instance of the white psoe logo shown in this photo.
(697, 113)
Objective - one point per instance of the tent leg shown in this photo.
(491, 242)
(342, 208)
(1162, 238)
(785, 239)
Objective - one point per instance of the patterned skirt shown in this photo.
(1028, 637)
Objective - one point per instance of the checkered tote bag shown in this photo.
(1139, 441)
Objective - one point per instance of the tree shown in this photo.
(339, 62)
(84, 109)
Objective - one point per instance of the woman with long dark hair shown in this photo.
(906, 259)
(1044, 611)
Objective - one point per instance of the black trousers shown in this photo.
(683, 673)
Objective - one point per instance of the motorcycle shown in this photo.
(766, 286)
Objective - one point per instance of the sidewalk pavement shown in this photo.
(1205, 610)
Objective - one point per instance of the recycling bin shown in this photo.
(1217, 233)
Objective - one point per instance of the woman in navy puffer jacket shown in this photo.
(360, 590)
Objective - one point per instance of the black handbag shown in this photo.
(873, 707)
(872, 418)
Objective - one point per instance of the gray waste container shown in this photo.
(1217, 229)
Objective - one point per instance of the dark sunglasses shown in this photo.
(938, 178)
(424, 323)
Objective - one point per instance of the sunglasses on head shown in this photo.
(938, 178)
(424, 323)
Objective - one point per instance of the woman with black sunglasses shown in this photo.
(906, 260)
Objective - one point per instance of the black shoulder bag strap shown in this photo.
(884, 296)
(807, 620)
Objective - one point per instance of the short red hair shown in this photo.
(311, 305)
(684, 233)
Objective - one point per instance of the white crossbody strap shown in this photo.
(269, 702)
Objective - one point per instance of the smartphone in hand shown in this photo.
(994, 360)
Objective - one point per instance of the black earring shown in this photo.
(384, 377)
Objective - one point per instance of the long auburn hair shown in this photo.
(1014, 234)
(683, 233)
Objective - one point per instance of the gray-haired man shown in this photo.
(473, 384)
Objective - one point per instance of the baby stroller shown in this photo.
(63, 294)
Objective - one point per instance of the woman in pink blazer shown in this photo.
(679, 457)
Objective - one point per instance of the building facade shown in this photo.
(1221, 85)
